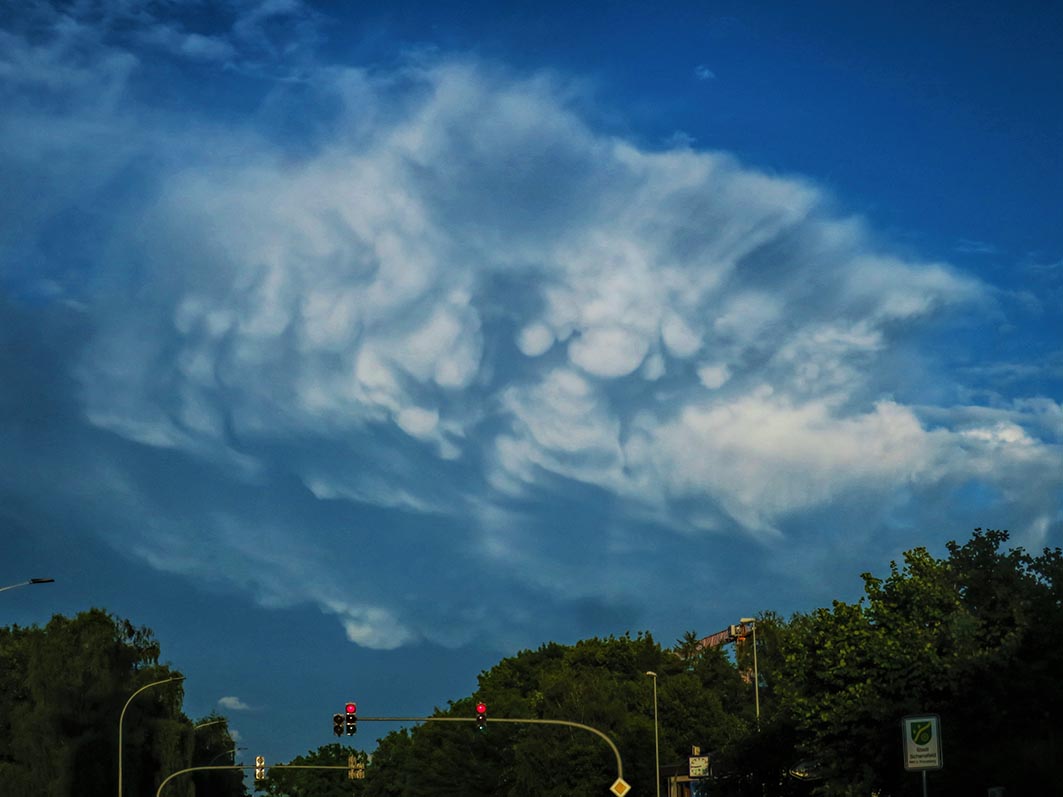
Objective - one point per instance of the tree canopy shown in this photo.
(316, 783)
(596, 682)
(62, 689)
(975, 637)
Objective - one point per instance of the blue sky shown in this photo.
(353, 349)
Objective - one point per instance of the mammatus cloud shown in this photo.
(464, 298)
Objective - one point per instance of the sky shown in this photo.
(354, 347)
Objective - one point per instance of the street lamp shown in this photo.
(231, 750)
(756, 675)
(656, 742)
(27, 583)
(121, 718)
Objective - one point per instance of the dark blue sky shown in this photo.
(912, 100)
(353, 350)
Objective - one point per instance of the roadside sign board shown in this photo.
(620, 788)
(699, 766)
(922, 742)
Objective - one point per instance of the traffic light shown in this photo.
(260, 767)
(481, 716)
(351, 720)
(337, 724)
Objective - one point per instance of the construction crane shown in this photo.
(733, 633)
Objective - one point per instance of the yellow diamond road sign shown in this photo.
(620, 788)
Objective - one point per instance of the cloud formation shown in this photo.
(233, 704)
(459, 300)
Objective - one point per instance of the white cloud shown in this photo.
(383, 287)
(608, 351)
(233, 704)
(713, 376)
(417, 422)
(371, 627)
(704, 343)
(194, 46)
(762, 457)
(535, 339)
(678, 336)
(1000, 435)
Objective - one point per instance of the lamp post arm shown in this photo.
(756, 676)
(28, 583)
(121, 719)
(158, 792)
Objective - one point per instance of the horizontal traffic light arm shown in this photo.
(608, 741)
(346, 767)
(158, 793)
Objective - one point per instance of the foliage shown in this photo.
(975, 638)
(597, 682)
(214, 746)
(62, 689)
(316, 783)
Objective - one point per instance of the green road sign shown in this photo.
(922, 742)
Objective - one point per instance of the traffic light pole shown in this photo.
(581, 726)
(162, 785)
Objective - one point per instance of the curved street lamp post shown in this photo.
(121, 719)
(205, 724)
(230, 751)
(27, 583)
(656, 741)
(756, 674)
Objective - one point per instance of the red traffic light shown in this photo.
(481, 708)
(352, 708)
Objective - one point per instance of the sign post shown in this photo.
(922, 744)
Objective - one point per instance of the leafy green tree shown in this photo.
(215, 746)
(62, 689)
(597, 682)
(316, 783)
(974, 637)
(393, 766)
(756, 761)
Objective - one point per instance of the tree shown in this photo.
(597, 682)
(316, 783)
(215, 746)
(757, 761)
(974, 637)
(62, 689)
